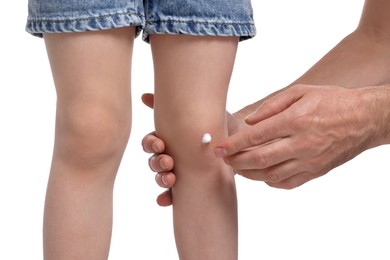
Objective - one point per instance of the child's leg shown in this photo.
(192, 74)
(92, 76)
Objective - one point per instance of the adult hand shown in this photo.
(302, 133)
(162, 163)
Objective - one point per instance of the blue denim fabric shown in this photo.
(193, 17)
(199, 17)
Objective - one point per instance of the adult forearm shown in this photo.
(360, 59)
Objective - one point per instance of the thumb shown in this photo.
(148, 99)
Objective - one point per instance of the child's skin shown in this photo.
(191, 77)
(92, 75)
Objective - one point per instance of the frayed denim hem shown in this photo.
(39, 26)
(242, 30)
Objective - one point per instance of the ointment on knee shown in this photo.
(206, 138)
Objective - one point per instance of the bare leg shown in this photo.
(192, 75)
(92, 77)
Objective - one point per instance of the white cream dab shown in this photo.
(206, 139)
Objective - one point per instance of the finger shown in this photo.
(165, 198)
(161, 163)
(275, 105)
(148, 99)
(268, 130)
(274, 174)
(165, 179)
(231, 123)
(292, 182)
(152, 144)
(263, 156)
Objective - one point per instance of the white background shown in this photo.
(342, 215)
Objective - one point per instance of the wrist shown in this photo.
(376, 102)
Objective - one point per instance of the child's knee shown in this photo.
(187, 147)
(92, 137)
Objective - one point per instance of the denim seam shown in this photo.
(245, 30)
(197, 22)
(82, 19)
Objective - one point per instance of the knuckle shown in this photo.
(289, 185)
(254, 137)
(270, 105)
(261, 160)
(256, 175)
(293, 183)
(286, 185)
(273, 185)
(314, 165)
(273, 177)
(299, 122)
(248, 175)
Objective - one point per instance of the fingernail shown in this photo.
(248, 117)
(251, 115)
(220, 152)
(164, 180)
(155, 148)
(163, 164)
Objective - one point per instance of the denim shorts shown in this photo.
(192, 17)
